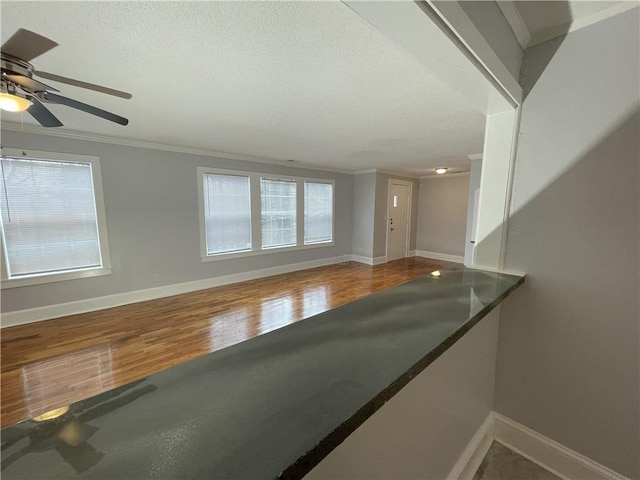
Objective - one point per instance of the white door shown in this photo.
(398, 219)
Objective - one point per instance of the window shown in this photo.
(227, 213)
(250, 213)
(318, 212)
(52, 221)
(278, 213)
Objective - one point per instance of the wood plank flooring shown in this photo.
(51, 364)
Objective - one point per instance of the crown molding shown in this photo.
(364, 172)
(475, 156)
(515, 21)
(398, 174)
(386, 172)
(446, 175)
(126, 142)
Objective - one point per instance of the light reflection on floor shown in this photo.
(50, 364)
(229, 328)
(276, 313)
(46, 383)
(315, 301)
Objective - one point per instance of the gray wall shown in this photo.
(364, 202)
(474, 184)
(380, 222)
(422, 431)
(568, 357)
(442, 224)
(370, 194)
(489, 20)
(151, 205)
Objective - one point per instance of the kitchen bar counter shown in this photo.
(273, 406)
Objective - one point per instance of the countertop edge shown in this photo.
(305, 463)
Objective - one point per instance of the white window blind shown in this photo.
(318, 212)
(49, 220)
(227, 212)
(251, 213)
(278, 212)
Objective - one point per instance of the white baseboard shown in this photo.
(440, 256)
(361, 259)
(38, 314)
(549, 454)
(380, 260)
(368, 260)
(474, 453)
(498, 270)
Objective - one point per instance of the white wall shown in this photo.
(442, 210)
(422, 431)
(568, 359)
(151, 205)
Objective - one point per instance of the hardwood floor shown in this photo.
(52, 364)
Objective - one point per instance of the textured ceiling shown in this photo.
(281, 80)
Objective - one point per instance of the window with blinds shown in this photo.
(278, 212)
(318, 212)
(49, 219)
(227, 211)
(251, 213)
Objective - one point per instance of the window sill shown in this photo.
(265, 251)
(53, 277)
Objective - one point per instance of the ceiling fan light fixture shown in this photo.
(20, 91)
(13, 103)
(58, 412)
(441, 170)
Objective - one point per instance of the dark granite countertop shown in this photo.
(271, 406)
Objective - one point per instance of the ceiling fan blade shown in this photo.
(29, 83)
(98, 112)
(27, 45)
(42, 114)
(81, 84)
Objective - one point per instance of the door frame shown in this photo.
(409, 211)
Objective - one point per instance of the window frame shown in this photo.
(101, 219)
(297, 216)
(256, 217)
(203, 229)
(333, 213)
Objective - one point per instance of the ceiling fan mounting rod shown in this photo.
(15, 65)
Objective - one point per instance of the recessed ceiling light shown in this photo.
(441, 170)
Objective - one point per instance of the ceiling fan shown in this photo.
(20, 91)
